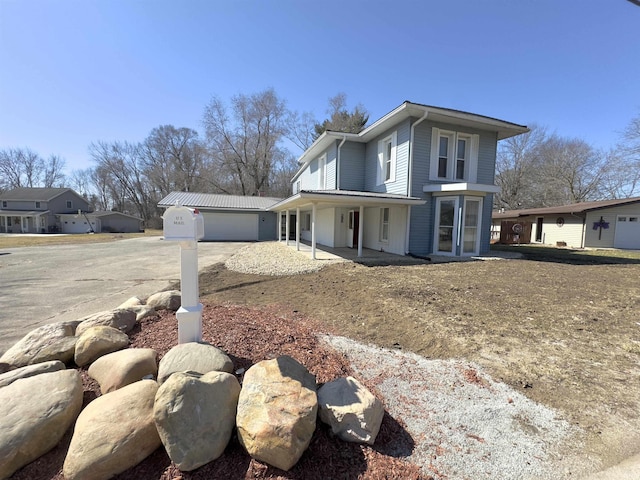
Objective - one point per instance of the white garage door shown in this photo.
(230, 226)
(627, 232)
(75, 225)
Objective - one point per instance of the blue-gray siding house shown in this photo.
(418, 181)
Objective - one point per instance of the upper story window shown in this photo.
(322, 172)
(37, 204)
(387, 159)
(4, 204)
(69, 204)
(454, 156)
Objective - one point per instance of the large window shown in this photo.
(454, 156)
(387, 159)
(384, 225)
(457, 231)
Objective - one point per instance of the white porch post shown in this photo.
(313, 231)
(360, 230)
(287, 227)
(298, 228)
(279, 226)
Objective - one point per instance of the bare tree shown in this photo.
(174, 159)
(246, 145)
(22, 167)
(301, 127)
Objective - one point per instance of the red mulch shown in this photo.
(249, 335)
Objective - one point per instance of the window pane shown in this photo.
(445, 239)
(460, 170)
(471, 214)
(447, 213)
(462, 146)
(442, 167)
(385, 214)
(385, 231)
(444, 147)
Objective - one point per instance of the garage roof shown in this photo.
(215, 201)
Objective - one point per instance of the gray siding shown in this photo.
(485, 228)
(399, 186)
(268, 226)
(309, 177)
(487, 158)
(421, 234)
(352, 166)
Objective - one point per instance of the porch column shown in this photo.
(279, 226)
(313, 231)
(287, 227)
(298, 228)
(360, 230)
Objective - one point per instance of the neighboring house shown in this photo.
(604, 224)
(418, 181)
(51, 210)
(230, 217)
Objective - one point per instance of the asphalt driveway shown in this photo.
(41, 285)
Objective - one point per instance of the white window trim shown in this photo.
(382, 223)
(393, 138)
(471, 163)
(322, 172)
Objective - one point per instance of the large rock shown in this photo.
(120, 318)
(29, 371)
(98, 341)
(195, 416)
(55, 341)
(277, 411)
(35, 413)
(168, 300)
(115, 370)
(194, 357)
(353, 412)
(136, 305)
(113, 433)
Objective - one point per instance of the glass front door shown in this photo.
(446, 212)
(457, 229)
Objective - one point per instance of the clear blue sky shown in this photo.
(74, 72)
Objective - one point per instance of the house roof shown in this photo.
(216, 201)
(409, 109)
(574, 208)
(344, 198)
(100, 213)
(34, 193)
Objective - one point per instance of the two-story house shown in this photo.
(52, 210)
(418, 181)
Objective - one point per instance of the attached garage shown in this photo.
(229, 218)
(227, 226)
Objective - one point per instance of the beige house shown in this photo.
(604, 224)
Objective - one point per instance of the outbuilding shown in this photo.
(603, 224)
(230, 217)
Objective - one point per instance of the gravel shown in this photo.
(464, 424)
(274, 258)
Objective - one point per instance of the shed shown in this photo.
(230, 217)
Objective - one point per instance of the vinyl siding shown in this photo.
(485, 236)
(608, 215)
(268, 226)
(397, 230)
(398, 186)
(352, 166)
(570, 232)
(309, 177)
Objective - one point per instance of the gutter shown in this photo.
(410, 178)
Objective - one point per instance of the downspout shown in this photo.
(344, 139)
(410, 179)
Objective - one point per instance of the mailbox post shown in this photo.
(186, 226)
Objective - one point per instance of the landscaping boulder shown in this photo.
(169, 300)
(11, 376)
(115, 370)
(277, 411)
(136, 305)
(97, 341)
(194, 357)
(195, 415)
(55, 341)
(120, 318)
(353, 412)
(35, 413)
(131, 302)
(113, 433)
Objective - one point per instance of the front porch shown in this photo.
(19, 221)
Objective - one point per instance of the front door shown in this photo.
(446, 226)
(458, 226)
(353, 228)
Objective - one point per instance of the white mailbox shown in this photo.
(182, 224)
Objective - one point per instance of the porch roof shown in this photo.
(344, 198)
(22, 213)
